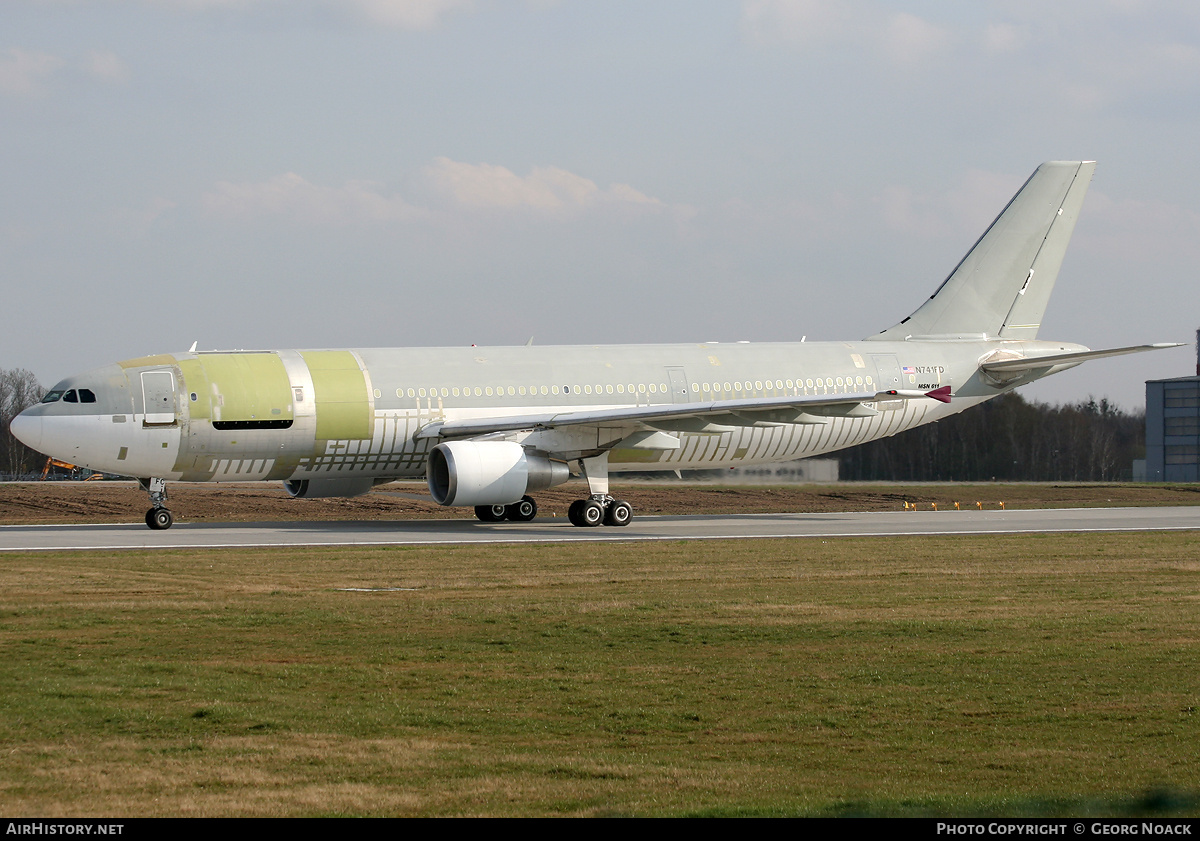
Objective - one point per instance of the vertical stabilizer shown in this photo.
(1003, 284)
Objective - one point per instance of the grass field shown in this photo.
(1001, 675)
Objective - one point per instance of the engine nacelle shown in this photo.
(322, 488)
(489, 472)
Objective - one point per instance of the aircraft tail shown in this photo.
(1000, 289)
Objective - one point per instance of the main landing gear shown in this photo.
(599, 507)
(158, 517)
(521, 511)
(583, 512)
(597, 510)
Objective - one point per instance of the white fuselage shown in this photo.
(359, 414)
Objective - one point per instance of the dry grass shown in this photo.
(949, 675)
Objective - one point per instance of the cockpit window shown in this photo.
(74, 395)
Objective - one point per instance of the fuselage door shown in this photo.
(889, 371)
(679, 385)
(158, 392)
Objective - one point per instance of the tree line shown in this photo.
(1009, 439)
(1005, 439)
(18, 389)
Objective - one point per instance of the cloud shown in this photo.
(1097, 55)
(963, 210)
(24, 73)
(290, 195)
(835, 24)
(105, 66)
(1141, 231)
(448, 187)
(545, 188)
(408, 14)
(399, 14)
(910, 39)
(1084, 56)
(1004, 38)
(797, 22)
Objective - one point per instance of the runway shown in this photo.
(546, 530)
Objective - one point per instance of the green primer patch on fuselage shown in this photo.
(148, 361)
(343, 404)
(237, 387)
(626, 455)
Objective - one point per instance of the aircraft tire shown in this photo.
(491, 513)
(619, 513)
(159, 519)
(573, 512)
(591, 513)
(522, 511)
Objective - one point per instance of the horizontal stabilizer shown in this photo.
(1032, 363)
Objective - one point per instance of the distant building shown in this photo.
(1173, 429)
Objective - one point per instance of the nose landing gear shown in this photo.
(158, 517)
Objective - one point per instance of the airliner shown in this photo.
(488, 427)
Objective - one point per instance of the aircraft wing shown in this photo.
(1031, 363)
(794, 409)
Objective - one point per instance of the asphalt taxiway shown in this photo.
(557, 530)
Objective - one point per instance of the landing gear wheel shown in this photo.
(573, 512)
(522, 511)
(159, 519)
(591, 513)
(490, 513)
(619, 513)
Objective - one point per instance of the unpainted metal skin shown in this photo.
(489, 426)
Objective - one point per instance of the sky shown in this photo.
(361, 173)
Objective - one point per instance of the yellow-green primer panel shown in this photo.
(343, 406)
(626, 455)
(237, 387)
(146, 361)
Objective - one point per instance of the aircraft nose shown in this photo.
(27, 428)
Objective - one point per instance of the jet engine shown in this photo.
(489, 472)
(321, 488)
